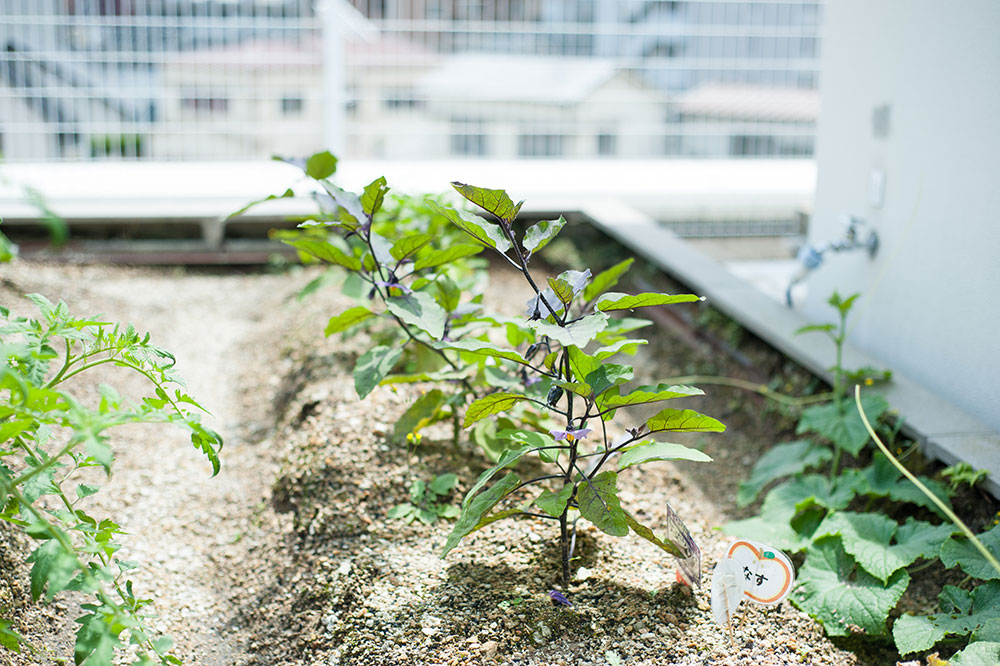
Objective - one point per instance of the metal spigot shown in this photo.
(811, 257)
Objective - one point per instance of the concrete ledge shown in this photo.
(943, 430)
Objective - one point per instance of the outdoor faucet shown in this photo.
(811, 256)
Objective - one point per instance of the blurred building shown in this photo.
(239, 79)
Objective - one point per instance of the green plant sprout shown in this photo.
(48, 434)
(541, 385)
(428, 501)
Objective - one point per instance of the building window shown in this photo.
(540, 145)
(468, 144)
(292, 105)
(399, 98)
(607, 144)
(205, 104)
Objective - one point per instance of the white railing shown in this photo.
(384, 79)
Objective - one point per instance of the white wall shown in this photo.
(931, 305)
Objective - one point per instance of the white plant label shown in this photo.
(728, 587)
(767, 572)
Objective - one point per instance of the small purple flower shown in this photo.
(402, 287)
(529, 381)
(559, 598)
(569, 435)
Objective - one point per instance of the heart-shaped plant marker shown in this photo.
(767, 571)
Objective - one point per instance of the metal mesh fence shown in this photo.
(414, 79)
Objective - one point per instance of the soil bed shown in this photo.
(288, 556)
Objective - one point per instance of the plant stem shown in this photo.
(931, 496)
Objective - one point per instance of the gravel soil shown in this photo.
(288, 557)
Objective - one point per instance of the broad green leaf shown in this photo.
(494, 403)
(482, 348)
(554, 503)
(541, 234)
(474, 509)
(95, 641)
(562, 289)
(381, 249)
(497, 378)
(350, 204)
(608, 376)
(333, 251)
(649, 451)
(962, 613)
(988, 631)
(882, 479)
(374, 194)
(834, 591)
(507, 458)
(677, 550)
(577, 334)
(449, 294)
(598, 503)
(959, 550)
(581, 363)
(780, 461)
(444, 483)
(373, 366)
(617, 301)
(485, 232)
(484, 434)
(606, 279)
(772, 525)
(686, 420)
(980, 653)
(846, 430)
(407, 245)
(868, 537)
(419, 415)
(619, 326)
(645, 395)
(347, 319)
(621, 347)
(833, 494)
(321, 165)
(547, 448)
(53, 568)
(421, 310)
(496, 202)
(9, 639)
(446, 256)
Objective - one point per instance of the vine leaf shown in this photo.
(834, 591)
(598, 502)
(494, 403)
(781, 460)
(496, 202)
(962, 613)
(541, 234)
(845, 430)
(980, 653)
(373, 366)
(474, 509)
(421, 310)
(616, 301)
(960, 551)
(649, 451)
(868, 538)
(485, 232)
(883, 479)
